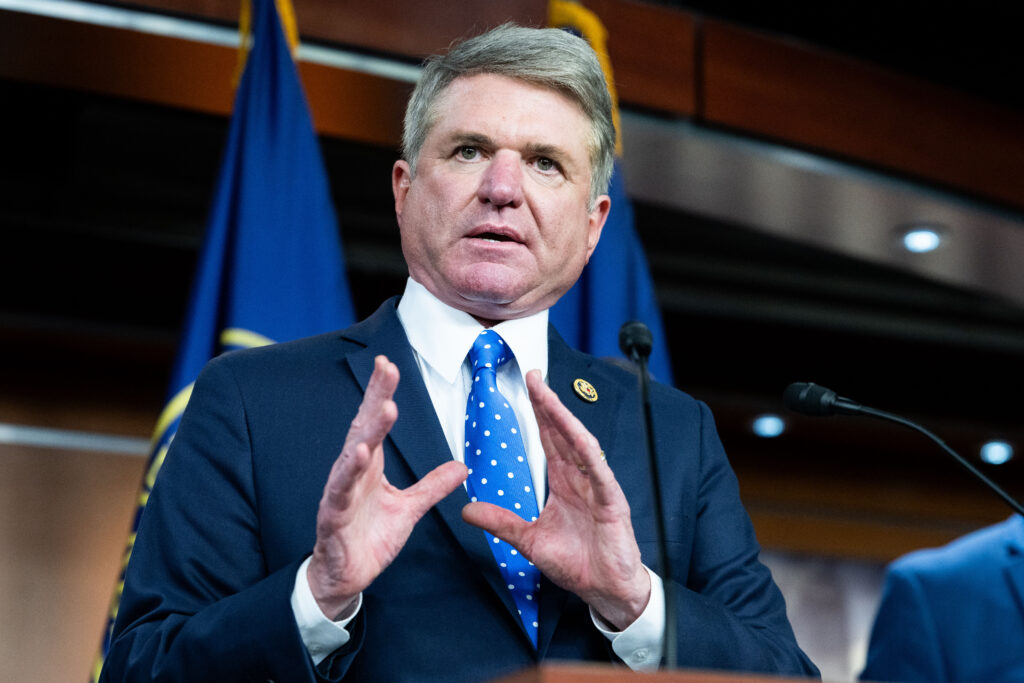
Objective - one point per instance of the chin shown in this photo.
(491, 285)
(497, 306)
(492, 304)
(497, 292)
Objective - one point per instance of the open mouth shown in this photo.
(493, 237)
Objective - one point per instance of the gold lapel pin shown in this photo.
(585, 390)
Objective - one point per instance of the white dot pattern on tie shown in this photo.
(494, 447)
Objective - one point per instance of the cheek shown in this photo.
(424, 217)
(568, 233)
(441, 205)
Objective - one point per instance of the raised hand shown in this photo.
(583, 540)
(363, 521)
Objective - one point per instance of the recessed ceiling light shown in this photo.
(996, 452)
(769, 426)
(921, 239)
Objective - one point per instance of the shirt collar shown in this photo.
(442, 335)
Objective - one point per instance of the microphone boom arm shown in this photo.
(882, 415)
(814, 400)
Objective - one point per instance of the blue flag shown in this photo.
(616, 285)
(271, 267)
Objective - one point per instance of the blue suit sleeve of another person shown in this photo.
(904, 644)
(954, 614)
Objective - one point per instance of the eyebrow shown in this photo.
(554, 152)
(475, 139)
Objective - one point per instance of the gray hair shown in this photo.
(550, 58)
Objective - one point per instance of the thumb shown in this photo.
(498, 521)
(438, 483)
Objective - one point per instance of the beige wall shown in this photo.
(64, 520)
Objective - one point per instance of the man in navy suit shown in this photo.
(263, 554)
(954, 614)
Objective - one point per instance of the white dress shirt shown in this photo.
(441, 337)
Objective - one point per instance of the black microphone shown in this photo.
(636, 341)
(808, 398)
(811, 399)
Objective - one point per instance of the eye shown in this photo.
(468, 153)
(545, 164)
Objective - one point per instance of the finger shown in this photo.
(384, 379)
(360, 456)
(571, 439)
(438, 483)
(377, 411)
(562, 467)
(348, 471)
(551, 437)
(498, 521)
(567, 442)
(374, 418)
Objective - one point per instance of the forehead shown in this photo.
(492, 105)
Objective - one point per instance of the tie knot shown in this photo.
(489, 351)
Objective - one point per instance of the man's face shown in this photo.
(496, 222)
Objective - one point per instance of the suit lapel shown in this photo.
(565, 366)
(417, 436)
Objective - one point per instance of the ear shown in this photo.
(401, 181)
(595, 222)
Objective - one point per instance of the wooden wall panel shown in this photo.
(651, 47)
(806, 97)
(652, 52)
(186, 74)
(124, 63)
(398, 27)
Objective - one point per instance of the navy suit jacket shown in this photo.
(954, 614)
(232, 515)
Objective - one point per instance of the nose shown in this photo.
(502, 181)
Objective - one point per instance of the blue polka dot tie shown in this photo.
(498, 471)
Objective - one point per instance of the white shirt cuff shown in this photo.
(640, 644)
(320, 635)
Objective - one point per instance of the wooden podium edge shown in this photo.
(606, 673)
